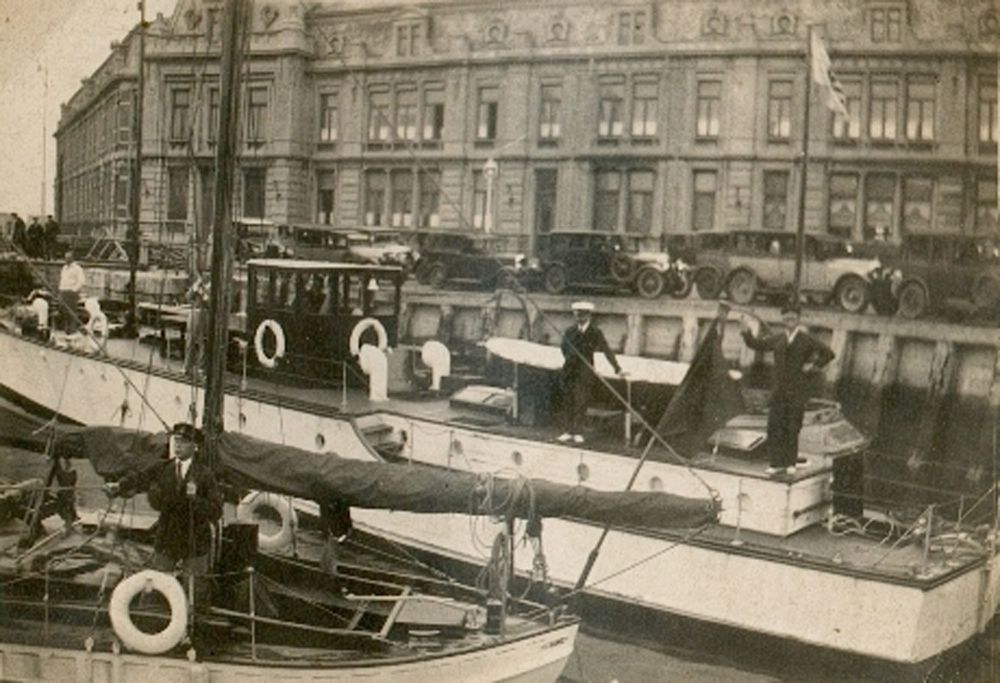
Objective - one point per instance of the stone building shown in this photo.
(649, 118)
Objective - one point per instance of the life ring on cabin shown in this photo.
(121, 619)
(279, 342)
(246, 511)
(363, 326)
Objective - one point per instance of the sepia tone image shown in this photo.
(481, 340)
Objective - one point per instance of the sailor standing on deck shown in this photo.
(797, 357)
(579, 344)
(71, 282)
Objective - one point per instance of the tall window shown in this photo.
(177, 193)
(987, 114)
(123, 118)
(849, 128)
(632, 27)
(254, 189)
(430, 199)
(886, 24)
(644, 107)
(548, 118)
(478, 199)
(406, 114)
(775, 200)
(920, 109)
(609, 121)
(256, 114)
(882, 121)
(639, 214)
(378, 116)
(433, 114)
(326, 194)
(880, 201)
(779, 110)
(212, 133)
(402, 198)
(709, 103)
(180, 111)
(703, 213)
(207, 198)
(843, 205)
(486, 114)
(607, 195)
(121, 193)
(375, 182)
(987, 218)
(408, 40)
(545, 199)
(917, 195)
(328, 119)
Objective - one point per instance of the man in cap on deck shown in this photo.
(579, 344)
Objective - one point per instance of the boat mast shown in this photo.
(800, 228)
(132, 236)
(234, 22)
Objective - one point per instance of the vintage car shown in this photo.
(745, 264)
(933, 271)
(380, 246)
(588, 259)
(471, 258)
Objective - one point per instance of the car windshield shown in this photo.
(827, 249)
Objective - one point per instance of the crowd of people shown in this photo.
(36, 240)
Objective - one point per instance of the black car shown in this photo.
(458, 257)
(569, 260)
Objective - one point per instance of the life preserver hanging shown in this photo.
(247, 509)
(279, 343)
(121, 619)
(363, 326)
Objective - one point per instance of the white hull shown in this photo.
(530, 660)
(815, 603)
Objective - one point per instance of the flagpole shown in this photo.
(801, 225)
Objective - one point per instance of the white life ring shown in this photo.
(363, 326)
(279, 342)
(131, 636)
(246, 512)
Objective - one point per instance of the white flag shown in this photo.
(823, 75)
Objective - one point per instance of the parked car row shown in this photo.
(923, 273)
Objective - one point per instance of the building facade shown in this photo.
(651, 119)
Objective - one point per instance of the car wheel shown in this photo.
(884, 301)
(622, 268)
(683, 284)
(436, 275)
(708, 283)
(742, 287)
(649, 283)
(555, 280)
(912, 300)
(852, 294)
(986, 293)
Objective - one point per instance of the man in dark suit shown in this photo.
(187, 496)
(797, 357)
(579, 344)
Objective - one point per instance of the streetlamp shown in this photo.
(490, 169)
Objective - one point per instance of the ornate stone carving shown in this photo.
(268, 14)
(989, 24)
(495, 33)
(192, 18)
(558, 32)
(784, 25)
(715, 24)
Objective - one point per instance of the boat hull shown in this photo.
(534, 659)
(842, 608)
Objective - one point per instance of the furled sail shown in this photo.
(325, 477)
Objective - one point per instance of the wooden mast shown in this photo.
(134, 231)
(234, 23)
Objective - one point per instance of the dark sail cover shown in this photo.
(328, 478)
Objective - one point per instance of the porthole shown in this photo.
(517, 458)
(320, 441)
(243, 420)
(582, 472)
(655, 484)
(456, 447)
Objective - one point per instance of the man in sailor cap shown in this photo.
(579, 344)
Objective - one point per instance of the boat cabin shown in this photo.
(316, 307)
